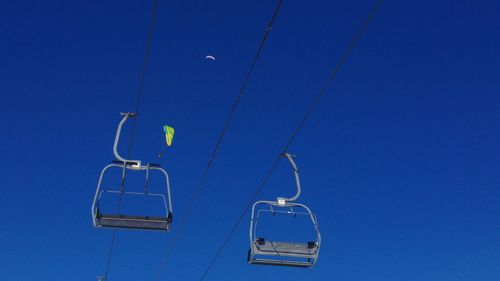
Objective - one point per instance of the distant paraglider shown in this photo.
(209, 57)
(169, 137)
(169, 134)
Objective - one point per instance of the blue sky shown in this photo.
(400, 160)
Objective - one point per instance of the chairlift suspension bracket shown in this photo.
(129, 164)
(281, 200)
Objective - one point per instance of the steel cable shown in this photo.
(313, 106)
(199, 186)
(140, 94)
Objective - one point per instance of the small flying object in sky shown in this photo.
(169, 134)
(209, 57)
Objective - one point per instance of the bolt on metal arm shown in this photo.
(125, 115)
(282, 201)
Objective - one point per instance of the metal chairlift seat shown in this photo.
(133, 221)
(283, 253)
(141, 222)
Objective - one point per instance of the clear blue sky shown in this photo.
(400, 162)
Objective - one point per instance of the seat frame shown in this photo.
(279, 252)
(128, 221)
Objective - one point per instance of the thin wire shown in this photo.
(203, 177)
(140, 94)
(313, 106)
(240, 218)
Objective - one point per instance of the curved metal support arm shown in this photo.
(297, 179)
(125, 115)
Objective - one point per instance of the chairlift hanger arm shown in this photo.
(297, 179)
(125, 115)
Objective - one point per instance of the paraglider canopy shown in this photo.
(169, 134)
(209, 57)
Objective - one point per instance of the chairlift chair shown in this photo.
(282, 253)
(141, 222)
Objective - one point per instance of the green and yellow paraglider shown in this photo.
(169, 137)
(169, 134)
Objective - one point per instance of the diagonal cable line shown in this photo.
(145, 62)
(310, 110)
(140, 94)
(218, 144)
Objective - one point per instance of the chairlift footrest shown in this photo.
(301, 250)
(133, 222)
(281, 263)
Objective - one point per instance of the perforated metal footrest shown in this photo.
(300, 250)
(283, 253)
(281, 263)
(133, 222)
